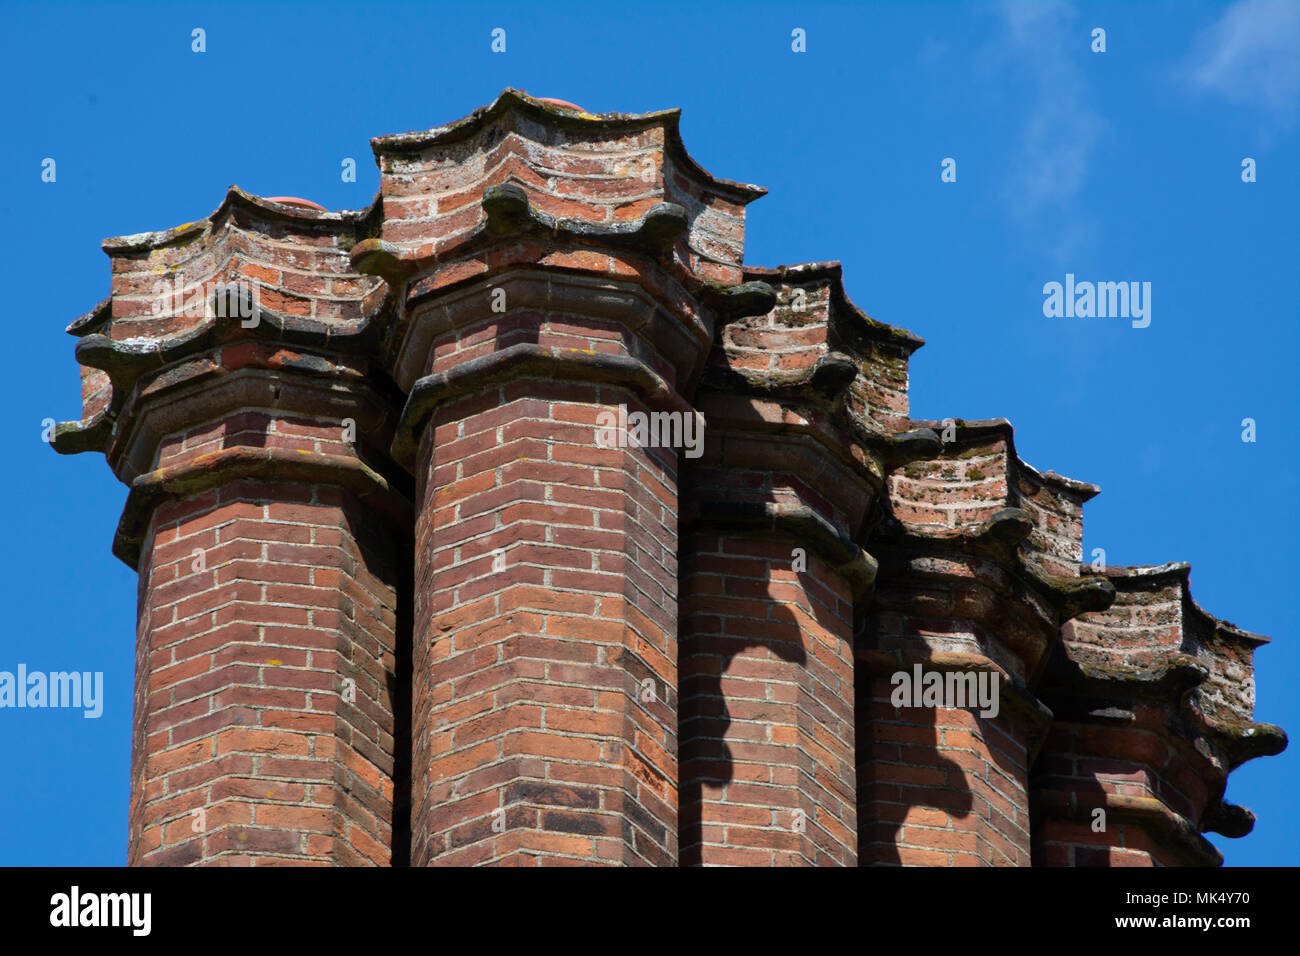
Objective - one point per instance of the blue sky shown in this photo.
(1117, 166)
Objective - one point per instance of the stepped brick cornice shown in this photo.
(811, 323)
(401, 602)
(168, 288)
(582, 173)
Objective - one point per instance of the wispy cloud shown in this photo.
(1251, 57)
(1061, 130)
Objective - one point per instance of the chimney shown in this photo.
(516, 520)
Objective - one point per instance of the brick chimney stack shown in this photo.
(268, 527)
(407, 597)
(546, 269)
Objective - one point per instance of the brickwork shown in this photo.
(242, 708)
(406, 597)
(767, 680)
(545, 619)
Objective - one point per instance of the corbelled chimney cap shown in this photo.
(567, 115)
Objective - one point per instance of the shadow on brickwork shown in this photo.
(706, 758)
(387, 553)
(885, 761)
(400, 684)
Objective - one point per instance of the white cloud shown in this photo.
(1251, 56)
(1061, 129)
